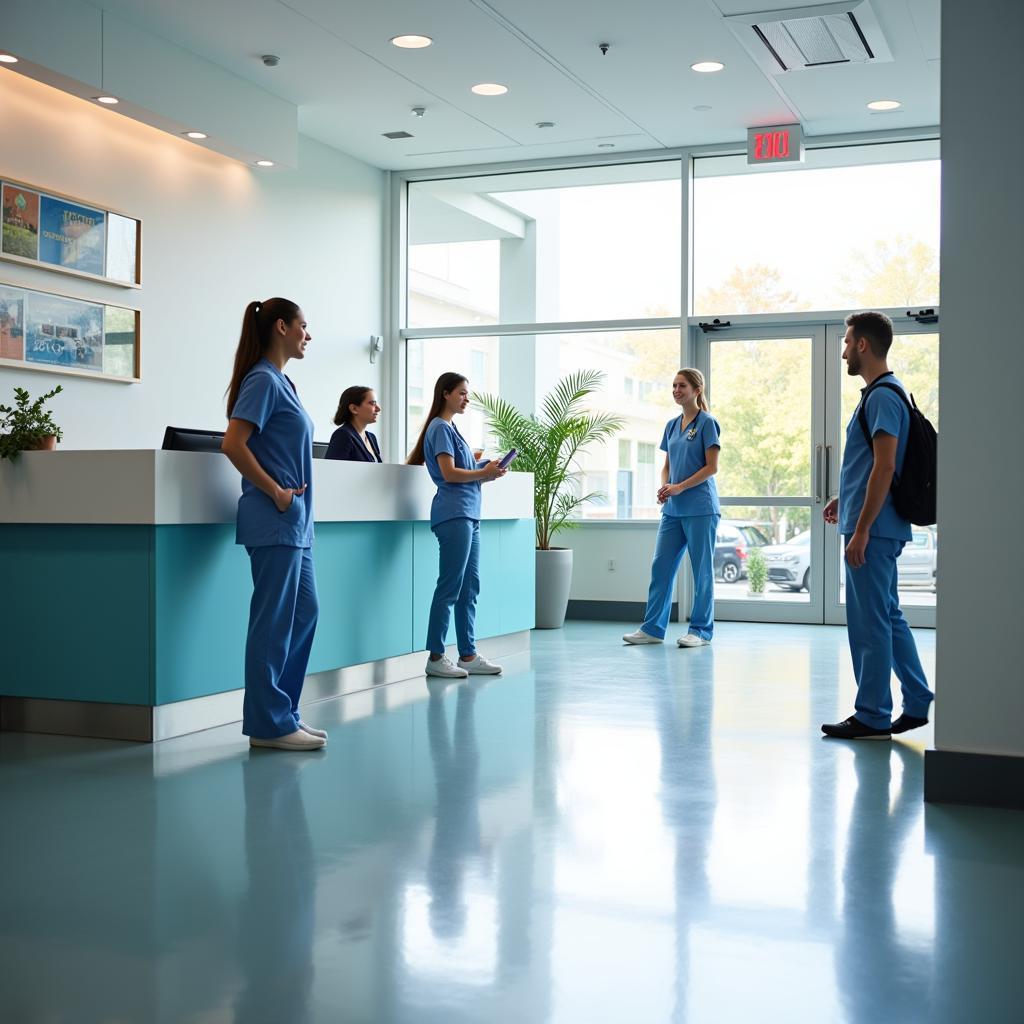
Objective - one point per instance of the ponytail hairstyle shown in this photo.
(696, 381)
(258, 323)
(445, 385)
(350, 396)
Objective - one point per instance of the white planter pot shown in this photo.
(755, 594)
(554, 578)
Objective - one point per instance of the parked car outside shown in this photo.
(789, 564)
(731, 548)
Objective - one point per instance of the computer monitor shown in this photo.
(183, 439)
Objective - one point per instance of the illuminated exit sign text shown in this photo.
(778, 144)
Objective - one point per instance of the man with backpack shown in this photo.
(887, 477)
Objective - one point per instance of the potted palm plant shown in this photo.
(27, 426)
(549, 445)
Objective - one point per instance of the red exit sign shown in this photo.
(775, 144)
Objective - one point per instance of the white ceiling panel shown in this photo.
(351, 85)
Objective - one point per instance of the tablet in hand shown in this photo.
(507, 459)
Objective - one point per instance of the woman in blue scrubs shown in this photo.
(270, 442)
(455, 521)
(690, 516)
(352, 442)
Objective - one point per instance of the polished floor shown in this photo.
(605, 834)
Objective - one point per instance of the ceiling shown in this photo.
(351, 85)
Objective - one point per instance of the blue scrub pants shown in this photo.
(880, 639)
(675, 535)
(458, 583)
(282, 621)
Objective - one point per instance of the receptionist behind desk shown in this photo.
(352, 442)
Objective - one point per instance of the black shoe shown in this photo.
(851, 729)
(907, 722)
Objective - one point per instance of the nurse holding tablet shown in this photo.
(455, 521)
(270, 442)
(690, 516)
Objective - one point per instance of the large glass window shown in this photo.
(817, 236)
(596, 243)
(622, 473)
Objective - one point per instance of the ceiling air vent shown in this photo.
(397, 135)
(812, 37)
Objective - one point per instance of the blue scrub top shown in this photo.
(452, 501)
(686, 454)
(283, 445)
(886, 414)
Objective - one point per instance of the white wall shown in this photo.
(216, 234)
(630, 546)
(980, 684)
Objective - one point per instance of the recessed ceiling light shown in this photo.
(884, 105)
(606, 145)
(411, 42)
(108, 100)
(705, 67)
(8, 58)
(702, 107)
(264, 163)
(197, 135)
(490, 89)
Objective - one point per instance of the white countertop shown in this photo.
(164, 488)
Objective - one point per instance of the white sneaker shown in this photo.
(640, 637)
(480, 666)
(312, 731)
(444, 668)
(298, 740)
(692, 640)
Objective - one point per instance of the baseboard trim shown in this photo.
(144, 724)
(983, 780)
(614, 611)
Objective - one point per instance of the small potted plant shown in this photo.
(27, 426)
(757, 573)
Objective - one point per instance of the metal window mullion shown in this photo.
(558, 327)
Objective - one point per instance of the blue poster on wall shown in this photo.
(71, 236)
(64, 332)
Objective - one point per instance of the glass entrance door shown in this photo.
(766, 387)
(784, 398)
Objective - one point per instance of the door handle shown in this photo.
(828, 472)
(817, 474)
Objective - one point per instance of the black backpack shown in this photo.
(913, 491)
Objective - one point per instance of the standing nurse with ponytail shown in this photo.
(270, 442)
(690, 516)
(455, 520)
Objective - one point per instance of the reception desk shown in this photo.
(125, 599)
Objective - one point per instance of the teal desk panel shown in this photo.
(75, 613)
(202, 592)
(518, 587)
(507, 560)
(364, 579)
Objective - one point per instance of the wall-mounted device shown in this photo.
(376, 345)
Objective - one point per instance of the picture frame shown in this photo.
(52, 333)
(68, 235)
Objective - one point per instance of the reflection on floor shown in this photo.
(605, 834)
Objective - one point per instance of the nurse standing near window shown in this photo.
(455, 521)
(270, 442)
(690, 516)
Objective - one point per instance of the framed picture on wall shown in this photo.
(62, 334)
(69, 235)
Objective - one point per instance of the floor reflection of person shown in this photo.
(277, 914)
(880, 977)
(688, 801)
(457, 825)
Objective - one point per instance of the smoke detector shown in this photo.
(798, 38)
